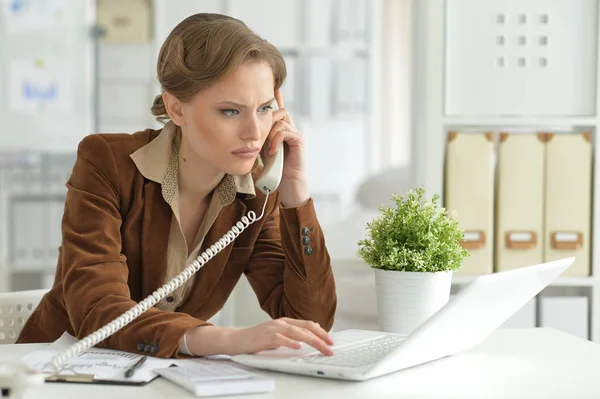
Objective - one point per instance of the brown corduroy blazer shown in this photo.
(115, 233)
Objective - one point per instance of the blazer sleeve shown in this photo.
(290, 270)
(95, 271)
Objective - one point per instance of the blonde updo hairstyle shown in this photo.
(202, 49)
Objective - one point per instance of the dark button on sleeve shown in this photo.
(148, 348)
(305, 231)
(305, 240)
(308, 251)
(141, 346)
(154, 349)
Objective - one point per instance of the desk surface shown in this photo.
(529, 363)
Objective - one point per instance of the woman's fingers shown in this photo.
(279, 339)
(283, 332)
(280, 132)
(279, 98)
(282, 125)
(305, 335)
(281, 113)
(315, 328)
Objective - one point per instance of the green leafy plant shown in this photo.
(416, 235)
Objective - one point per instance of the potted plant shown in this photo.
(414, 248)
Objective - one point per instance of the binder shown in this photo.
(125, 21)
(520, 201)
(469, 190)
(568, 195)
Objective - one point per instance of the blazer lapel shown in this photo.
(155, 238)
(208, 276)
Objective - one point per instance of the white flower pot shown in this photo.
(407, 299)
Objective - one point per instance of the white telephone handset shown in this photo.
(267, 183)
(273, 169)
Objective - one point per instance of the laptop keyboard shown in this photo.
(358, 355)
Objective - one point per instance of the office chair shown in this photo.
(15, 309)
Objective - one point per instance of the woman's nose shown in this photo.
(252, 130)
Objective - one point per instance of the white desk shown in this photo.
(531, 363)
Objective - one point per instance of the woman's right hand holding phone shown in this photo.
(282, 332)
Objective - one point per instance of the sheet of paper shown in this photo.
(39, 86)
(105, 364)
(32, 16)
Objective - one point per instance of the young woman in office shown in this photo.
(141, 207)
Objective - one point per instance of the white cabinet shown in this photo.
(517, 57)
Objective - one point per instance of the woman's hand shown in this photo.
(283, 332)
(293, 189)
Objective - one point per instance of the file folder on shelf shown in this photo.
(469, 190)
(568, 200)
(520, 201)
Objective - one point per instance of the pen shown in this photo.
(129, 372)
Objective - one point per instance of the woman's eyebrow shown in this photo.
(238, 105)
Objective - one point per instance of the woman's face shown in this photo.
(227, 123)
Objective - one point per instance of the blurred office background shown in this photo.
(491, 104)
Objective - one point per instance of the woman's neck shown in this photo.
(197, 179)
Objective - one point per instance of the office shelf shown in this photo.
(446, 57)
(519, 122)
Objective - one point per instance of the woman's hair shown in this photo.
(202, 49)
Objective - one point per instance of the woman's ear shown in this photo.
(174, 108)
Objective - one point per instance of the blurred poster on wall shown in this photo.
(38, 86)
(32, 16)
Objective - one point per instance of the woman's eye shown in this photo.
(265, 109)
(230, 112)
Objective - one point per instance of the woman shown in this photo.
(141, 207)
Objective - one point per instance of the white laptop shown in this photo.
(466, 320)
